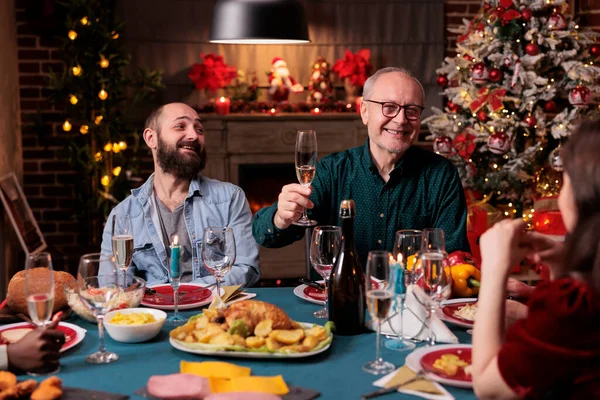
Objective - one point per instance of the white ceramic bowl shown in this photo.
(134, 333)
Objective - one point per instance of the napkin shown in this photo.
(231, 295)
(414, 316)
(422, 388)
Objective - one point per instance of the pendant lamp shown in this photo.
(259, 22)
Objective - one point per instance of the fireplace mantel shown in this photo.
(239, 139)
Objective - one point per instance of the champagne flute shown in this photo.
(437, 283)
(306, 166)
(218, 253)
(98, 289)
(379, 300)
(122, 243)
(324, 250)
(407, 244)
(433, 240)
(175, 279)
(39, 293)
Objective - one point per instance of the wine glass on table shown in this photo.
(379, 300)
(436, 285)
(407, 244)
(218, 254)
(39, 293)
(175, 279)
(433, 240)
(98, 289)
(306, 166)
(324, 251)
(122, 243)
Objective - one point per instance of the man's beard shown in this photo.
(182, 166)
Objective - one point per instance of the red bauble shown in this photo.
(442, 80)
(452, 107)
(480, 73)
(482, 116)
(495, 75)
(526, 13)
(556, 22)
(595, 50)
(498, 143)
(581, 96)
(550, 106)
(442, 145)
(468, 57)
(531, 121)
(532, 49)
(487, 7)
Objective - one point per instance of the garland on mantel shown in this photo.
(266, 107)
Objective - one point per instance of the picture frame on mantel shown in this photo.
(20, 215)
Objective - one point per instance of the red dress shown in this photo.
(555, 351)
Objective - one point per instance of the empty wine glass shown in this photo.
(98, 289)
(39, 293)
(379, 300)
(306, 166)
(122, 243)
(218, 253)
(407, 244)
(436, 285)
(433, 240)
(324, 251)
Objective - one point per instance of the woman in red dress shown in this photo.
(555, 351)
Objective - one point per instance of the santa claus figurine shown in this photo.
(281, 82)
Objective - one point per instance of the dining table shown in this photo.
(336, 373)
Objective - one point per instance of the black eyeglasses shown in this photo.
(412, 112)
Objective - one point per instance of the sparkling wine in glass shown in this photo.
(324, 251)
(39, 293)
(306, 166)
(175, 278)
(218, 253)
(437, 283)
(122, 243)
(379, 301)
(98, 289)
(407, 243)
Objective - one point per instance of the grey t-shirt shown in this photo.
(174, 223)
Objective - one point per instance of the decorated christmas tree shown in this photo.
(523, 78)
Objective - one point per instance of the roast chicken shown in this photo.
(254, 311)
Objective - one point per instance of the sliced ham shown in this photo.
(178, 386)
(242, 396)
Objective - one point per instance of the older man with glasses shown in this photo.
(395, 185)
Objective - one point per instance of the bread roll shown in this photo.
(15, 297)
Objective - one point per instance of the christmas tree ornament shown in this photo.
(595, 50)
(72, 35)
(464, 143)
(320, 87)
(487, 7)
(468, 57)
(281, 82)
(556, 22)
(452, 106)
(532, 49)
(482, 115)
(498, 143)
(526, 14)
(531, 121)
(555, 160)
(480, 73)
(442, 145)
(495, 75)
(550, 106)
(515, 76)
(442, 80)
(580, 96)
(84, 129)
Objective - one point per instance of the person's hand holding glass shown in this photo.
(306, 166)
(122, 243)
(218, 254)
(98, 288)
(379, 300)
(324, 251)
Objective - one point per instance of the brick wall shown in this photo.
(48, 179)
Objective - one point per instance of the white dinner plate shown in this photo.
(248, 354)
(299, 291)
(446, 312)
(73, 333)
(165, 302)
(413, 361)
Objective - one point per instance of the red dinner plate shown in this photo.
(72, 336)
(191, 296)
(315, 293)
(463, 353)
(450, 309)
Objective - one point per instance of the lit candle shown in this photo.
(358, 103)
(315, 110)
(222, 106)
(273, 111)
(175, 258)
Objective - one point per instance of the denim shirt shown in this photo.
(209, 203)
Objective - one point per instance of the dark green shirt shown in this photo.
(424, 191)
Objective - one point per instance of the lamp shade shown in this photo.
(259, 22)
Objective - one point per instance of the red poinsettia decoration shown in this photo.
(212, 74)
(356, 67)
(465, 144)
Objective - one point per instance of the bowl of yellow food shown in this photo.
(134, 325)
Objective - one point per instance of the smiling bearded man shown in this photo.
(178, 200)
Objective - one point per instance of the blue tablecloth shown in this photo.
(336, 373)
